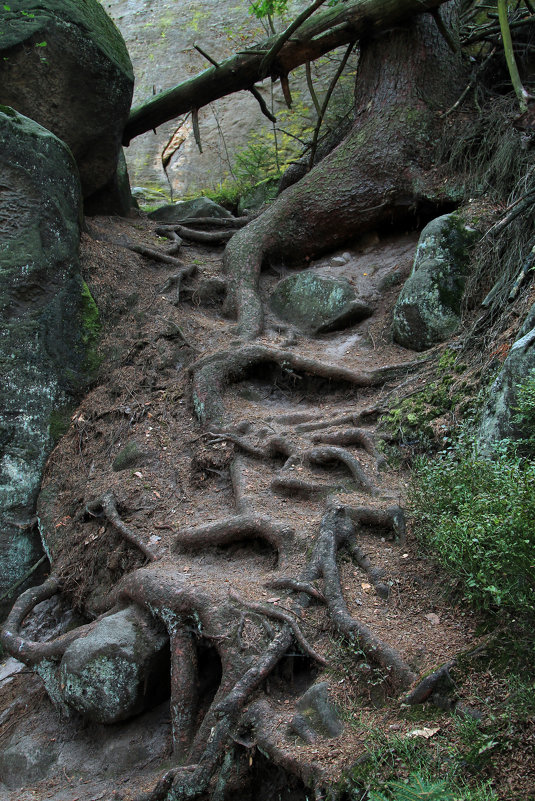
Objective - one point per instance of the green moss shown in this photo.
(21, 20)
(59, 421)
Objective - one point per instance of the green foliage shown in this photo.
(410, 418)
(525, 412)
(417, 789)
(475, 516)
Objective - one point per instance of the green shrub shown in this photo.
(475, 516)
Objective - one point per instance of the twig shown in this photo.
(272, 53)
(262, 103)
(196, 129)
(206, 56)
(311, 89)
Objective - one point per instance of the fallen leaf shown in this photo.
(365, 586)
(425, 732)
(138, 474)
(404, 555)
(272, 600)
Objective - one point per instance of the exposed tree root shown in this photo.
(212, 373)
(279, 614)
(352, 436)
(203, 237)
(107, 507)
(336, 529)
(32, 653)
(232, 529)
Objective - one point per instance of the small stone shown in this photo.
(433, 619)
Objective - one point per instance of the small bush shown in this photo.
(475, 516)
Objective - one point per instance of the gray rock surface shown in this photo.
(105, 676)
(64, 64)
(317, 304)
(178, 212)
(316, 714)
(498, 419)
(428, 309)
(49, 323)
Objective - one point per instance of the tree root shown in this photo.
(287, 583)
(425, 688)
(278, 614)
(232, 529)
(107, 507)
(216, 222)
(352, 436)
(203, 237)
(375, 574)
(183, 690)
(212, 373)
(29, 652)
(335, 531)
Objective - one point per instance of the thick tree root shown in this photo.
(212, 373)
(107, 507)
(234, 529)
(29, 652)
(336, 530)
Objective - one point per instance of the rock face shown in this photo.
(105, 675)
(428, 309)
(317, 304)
(64, 64)
(160, 36)
(49, 322)
(498, 420)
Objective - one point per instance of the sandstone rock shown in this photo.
(317, 304)
(428, 309)
(106, 675)
(498, 420)
(178, 212)
(316, 715)
(49, 323)
(64, 64)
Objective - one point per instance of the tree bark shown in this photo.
(344, 23)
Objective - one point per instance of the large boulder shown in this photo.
(64, 64)
(186, 209)
(429, 306)
(500, 415)
(49, 323)
(317, 304)
(106, 676)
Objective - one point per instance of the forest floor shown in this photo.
(179, 478)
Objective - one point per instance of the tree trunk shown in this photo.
(380, 174)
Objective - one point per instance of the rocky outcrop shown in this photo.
(107, 674)
(316, 304)
(500, 419)
(49, 323)
(64, 64)
(428, 309)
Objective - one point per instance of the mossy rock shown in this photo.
(50, 323)
(317, 304)
(178, 212)
(64, 64)
(107, 675)
(429, 306)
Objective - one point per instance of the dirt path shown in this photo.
(231, 510)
